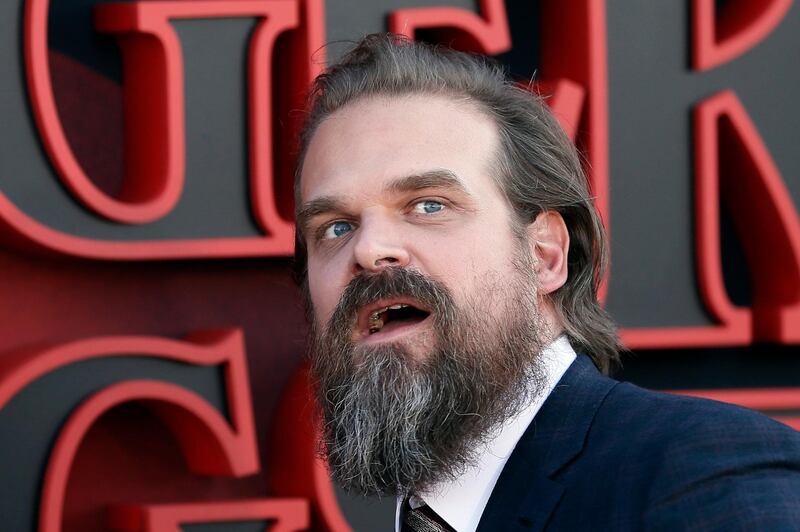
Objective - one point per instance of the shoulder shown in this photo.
(688, 415)
(711, 461)
(681, 420)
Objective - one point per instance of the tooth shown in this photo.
(375, 325)
(375, 322)
(398, 306)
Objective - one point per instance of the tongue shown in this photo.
(400, 322)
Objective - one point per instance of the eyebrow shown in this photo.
(316, 207)
(437, 178)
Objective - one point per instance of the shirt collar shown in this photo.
(461, 501)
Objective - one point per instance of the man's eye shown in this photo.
(337, 229)
(428, 207)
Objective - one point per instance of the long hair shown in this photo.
(537, 167)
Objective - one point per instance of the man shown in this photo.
(450, 256)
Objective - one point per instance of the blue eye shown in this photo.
(337, 229)
(428, 207)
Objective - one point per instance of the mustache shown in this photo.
(367, 288)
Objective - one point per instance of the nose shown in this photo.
(379, 245)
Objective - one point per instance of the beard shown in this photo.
(395, 425)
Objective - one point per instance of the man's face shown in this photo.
(404, 182)
(426, 322)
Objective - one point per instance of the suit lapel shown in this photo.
(526, 492)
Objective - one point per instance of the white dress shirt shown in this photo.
(461, 501)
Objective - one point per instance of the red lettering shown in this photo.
(284, 515)
(295, 468)
(765, 219)
(739, 26)
(211, 444)
(154, 133)
(487, 34)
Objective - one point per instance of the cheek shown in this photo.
(325, 288)
(467, 260)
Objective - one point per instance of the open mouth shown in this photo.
(383, 318)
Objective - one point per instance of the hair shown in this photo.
(537, 167)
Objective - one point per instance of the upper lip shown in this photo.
(362, 322)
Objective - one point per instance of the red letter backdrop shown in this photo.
(152, 372)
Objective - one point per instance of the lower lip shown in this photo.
(393, 330)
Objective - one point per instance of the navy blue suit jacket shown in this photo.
(605, 455)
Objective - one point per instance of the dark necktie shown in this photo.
(423, 519)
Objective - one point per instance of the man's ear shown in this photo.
(548, 238)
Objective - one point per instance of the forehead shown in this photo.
(377, 139)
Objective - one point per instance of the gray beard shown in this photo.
(392, 425)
